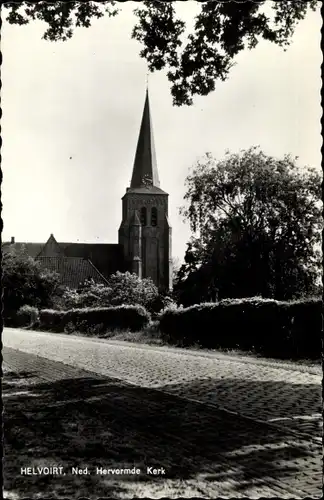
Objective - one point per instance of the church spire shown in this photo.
(145, 171)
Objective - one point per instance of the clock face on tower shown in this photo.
(147, 180)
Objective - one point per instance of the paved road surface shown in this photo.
(290, 398)
(286, 397)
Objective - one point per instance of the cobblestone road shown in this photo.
(289, 398)
(213, 452)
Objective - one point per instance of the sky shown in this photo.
(72, 112)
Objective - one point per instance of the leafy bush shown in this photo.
(129, 289)
(95, 320)
(90, 295)
(27, 316)
(272, 328)
(25, 282)
(69, 327)
(123, 288)
(160, 303)
(67, 300)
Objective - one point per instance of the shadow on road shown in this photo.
(95, 421)
(271, 399)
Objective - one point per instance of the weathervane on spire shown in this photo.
(147, 77)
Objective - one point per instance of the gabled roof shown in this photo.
(73, 271)
(145, 170)
(51, 248)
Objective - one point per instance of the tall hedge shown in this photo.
(100, 319)
(52, 320)
(273, 328)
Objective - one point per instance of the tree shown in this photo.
(25, 282)
(176, 264)
(221, 31)
(256, 224)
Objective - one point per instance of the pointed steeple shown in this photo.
(145, 172)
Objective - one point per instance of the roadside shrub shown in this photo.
(27, 316)
(270, 327)
(176, 325)
(52, 320)
(248, 323)
(160, 303)
(123, 317)
(95, 320)
(69, 327)
(305, 327)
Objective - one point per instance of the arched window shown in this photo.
(143, 216)
(154, 216)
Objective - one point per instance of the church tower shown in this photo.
(145, 232)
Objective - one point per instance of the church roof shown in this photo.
(145, 170)
(73, 271)
(107, 258)
(32, 249)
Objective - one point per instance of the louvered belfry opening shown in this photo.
(154, 216)
(143, 216)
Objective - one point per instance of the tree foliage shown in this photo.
(128, 288)
(193, 63)
(176, 264)
(25, 282)
(122, 289)
(256, 224)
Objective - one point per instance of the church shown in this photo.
(144, 237)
